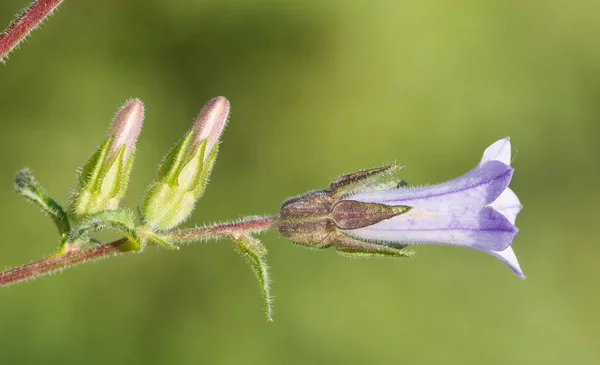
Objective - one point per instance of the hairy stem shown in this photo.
(50, 264)
(26, 22)
(234, 229)
(74, 257)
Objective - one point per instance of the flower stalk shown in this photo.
(75, 257)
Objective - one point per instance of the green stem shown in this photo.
(74, 257)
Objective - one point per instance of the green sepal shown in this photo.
(383, 177)
(171, 164)
(188, 176)
(102, 182)
(111, 181)
(206, 170)
(254, 252)
(171, 198)
(351, 247)
(28, 187)
(126, 172)
(93, 167)
(121, 220)
(375, 251)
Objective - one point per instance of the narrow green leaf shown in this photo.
(254, 252)
(121, 220)
(27, 186)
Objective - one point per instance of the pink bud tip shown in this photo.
(210, 122)
(127, 125)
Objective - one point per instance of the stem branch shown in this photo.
(26, 22)
(67, 259)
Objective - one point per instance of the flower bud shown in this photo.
(184, 172)
(126, 127)
(210, 123)
(103, 179)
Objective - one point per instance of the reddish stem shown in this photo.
(51, 264)
(255, 224)
(61, 261)
(29, 19)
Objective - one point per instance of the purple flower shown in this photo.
(476, 210)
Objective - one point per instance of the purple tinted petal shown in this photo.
(508, 205)
(126, 127)
(476, 188)
(498, 151)
(510, 259)
(210, 123)
(484, 229)
(476, 210)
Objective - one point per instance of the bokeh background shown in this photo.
(318, 89)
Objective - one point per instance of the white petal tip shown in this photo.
(498, 151)
(510, 259)
(508, 205)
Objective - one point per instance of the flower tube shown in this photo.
(477, 210)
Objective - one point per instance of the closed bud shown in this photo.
(210, 123)
(184, 172)
(104, 178)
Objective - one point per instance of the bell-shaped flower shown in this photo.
(477, 210)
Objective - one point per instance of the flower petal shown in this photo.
(498, 151)
(484, 229)
(509, 258)
(476, 210)
(476, 188)
(508, 205)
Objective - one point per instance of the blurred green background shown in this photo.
(318, 89)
